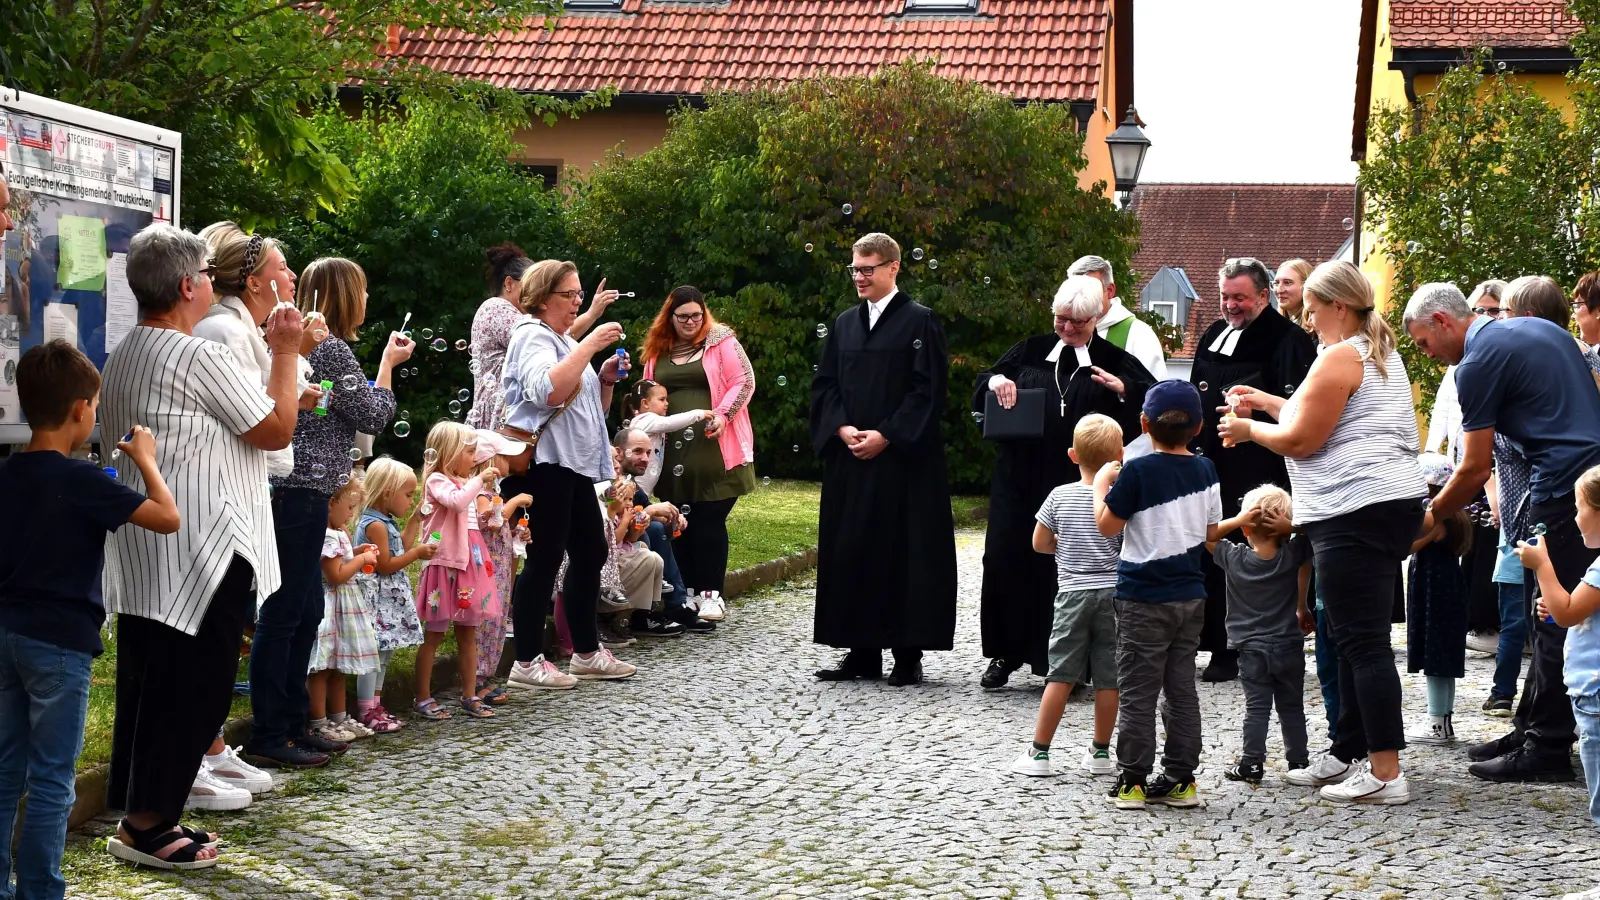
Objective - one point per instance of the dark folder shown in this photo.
(1025, 419)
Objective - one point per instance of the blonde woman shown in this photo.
(1290, 288)
(1350, 439)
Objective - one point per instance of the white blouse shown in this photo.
(195, 399)
(229, 324)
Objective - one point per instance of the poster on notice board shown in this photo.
(82, 184)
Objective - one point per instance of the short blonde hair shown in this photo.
(385, 475)
(1080, 297)
(355, 487)
(1588, 488)
(1097, 439)
(337, 287)
(537, 283)
(880, 245)
(1269, 498)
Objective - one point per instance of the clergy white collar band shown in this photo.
(1227, 341)
(1082, 353)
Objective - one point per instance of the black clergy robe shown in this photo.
(886, 550)
(1271, 354)
(1019, 583)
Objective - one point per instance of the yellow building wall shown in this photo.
(584, 141)
(1389, 89)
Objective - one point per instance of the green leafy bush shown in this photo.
(757, 198)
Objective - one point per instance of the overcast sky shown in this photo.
(1246, 90)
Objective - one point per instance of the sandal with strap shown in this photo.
(200, 837)
(147, 842)
(477, 709)
(496, 697)
(377, 722)
(429, 709)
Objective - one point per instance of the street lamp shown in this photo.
(1128, 146)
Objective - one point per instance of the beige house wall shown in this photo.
(584, 141)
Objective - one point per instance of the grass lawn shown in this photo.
(776, 520)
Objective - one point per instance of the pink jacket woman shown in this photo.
(733, 383)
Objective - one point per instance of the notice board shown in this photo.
(82, 184)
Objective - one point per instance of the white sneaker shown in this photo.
(601, 666)
(1591, 894)
(229, 769)
(354, 729)
(542, 675)
(1366, 788)
(208, 792)
(1439, 732)
(1327, 769)
(712, 607)
(1486, 642)
(1099, 762)
(1032, 763)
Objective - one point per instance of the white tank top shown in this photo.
(1371, 457)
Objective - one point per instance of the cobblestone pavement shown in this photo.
(725, 770)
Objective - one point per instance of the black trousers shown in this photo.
(287, 623)
(702, 549)
(173, 694)
(1545, 711)
(1357, 556)
(563, 520)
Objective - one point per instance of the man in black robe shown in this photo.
(1080, 373)
(1255, 345)
(886, 550)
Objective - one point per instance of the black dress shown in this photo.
(886, 548)
(1272, 354)
(1019, 584)
(1436, 613)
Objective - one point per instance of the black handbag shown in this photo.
(1025, 419)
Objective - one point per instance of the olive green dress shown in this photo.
(704, 477)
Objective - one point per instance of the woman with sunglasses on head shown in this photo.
(711, 465)
(1080, 373)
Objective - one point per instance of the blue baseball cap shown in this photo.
(1166, 396)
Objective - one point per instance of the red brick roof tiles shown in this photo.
(1196, 226)
(1417, 24)
(1047, 50)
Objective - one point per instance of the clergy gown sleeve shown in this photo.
(827, 401)
(1006, 365)
(917, 417)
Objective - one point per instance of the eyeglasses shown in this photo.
(1497, 312)
(210, 272)
(864, 271)
(688, 318)
(1075, 323)
(579, 293)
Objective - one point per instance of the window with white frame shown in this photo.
(1167, 310)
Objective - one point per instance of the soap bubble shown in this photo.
(354, 454)
(402, 428)
(463, 395)
(435, 232)
(440, 345)
(342, 480)
(406, 335)
(627, 423)
(677, 470)
(1348, 223)
(1412, 246)
(405, 373)
(916, 344)
(351, 382)
(822, 330)
(783, 380)
(461, 344)
(318, 470)
(426, 508)
(116, 454)
(1500, 66)
(916, 253)
(809, 248)
(685, 509)
(404, 414)
(415, 370)
(93, 458)
(1539, 530)
(1204, 386)
(766, 482)
(427, 334)
(847, 209)
(677, 445)
(933, 264)
(1288, 389)
(985, 279)
(688, 434)
(797, 448)
(454, 406)
(429, 455)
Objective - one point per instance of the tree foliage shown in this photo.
(1482, 179)
(757, 198)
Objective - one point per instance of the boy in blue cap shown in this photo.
(1166, 505)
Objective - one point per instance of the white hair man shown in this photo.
(1524, 377)
(1117, 324)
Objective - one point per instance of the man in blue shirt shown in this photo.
(1524, 378)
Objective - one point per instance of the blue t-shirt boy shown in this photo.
(1169, 501)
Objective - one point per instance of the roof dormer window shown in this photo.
(942, 7)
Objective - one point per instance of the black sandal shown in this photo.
(200, 837)
(147, 842)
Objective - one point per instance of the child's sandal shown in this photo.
(429, 709)
(496, 697)
(476, 708)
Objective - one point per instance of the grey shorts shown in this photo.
(1083, 638)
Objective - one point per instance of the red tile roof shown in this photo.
(1196, 226)
(1048, 50)
(1415, 24)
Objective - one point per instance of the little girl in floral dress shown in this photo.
(345, 642)
(496, 522)
(391, 489)
(458, 586)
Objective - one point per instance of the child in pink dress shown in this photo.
(457, 587)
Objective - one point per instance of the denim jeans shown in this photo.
(661, 542)
(1328, 670)
(1586, 710)
(1513, 634)
(286, 625)
(44, 695)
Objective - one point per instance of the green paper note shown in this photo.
(83, 254)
